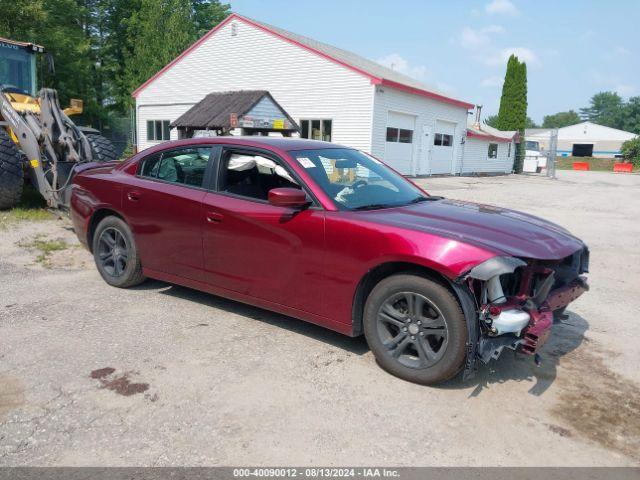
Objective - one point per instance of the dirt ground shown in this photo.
(162, 375)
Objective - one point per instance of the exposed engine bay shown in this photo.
(516, 300)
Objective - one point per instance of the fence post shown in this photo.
(552, 154)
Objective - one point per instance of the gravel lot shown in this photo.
(163, 375)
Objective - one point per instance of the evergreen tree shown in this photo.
(492, 121)
(630, 116)
(604, 109)
(512, 114)
(560, 119)
(159, 30)
(207, 14)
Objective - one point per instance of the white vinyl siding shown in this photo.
(305, 84)
(152, 112)
(426, 112)
(476, 157)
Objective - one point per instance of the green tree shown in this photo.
(630, 116)
(561, 119)
(604, 109)
(20, 19)
(207, 14)
(492, 121)
(159, 30)
(513, 104)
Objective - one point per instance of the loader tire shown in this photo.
(11, 174)
(102, 148)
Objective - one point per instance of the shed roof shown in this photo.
(487, 132)
(378, 74)
(214, 111)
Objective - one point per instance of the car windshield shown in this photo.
(357, 181)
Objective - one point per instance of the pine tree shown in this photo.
(513, 105)
(159, 30)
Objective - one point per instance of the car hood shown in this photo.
(500, 230)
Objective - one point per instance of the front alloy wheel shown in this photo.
(413, 329)
(416, 329)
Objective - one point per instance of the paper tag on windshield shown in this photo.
(305, 162)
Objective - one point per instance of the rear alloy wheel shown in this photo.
(115, 253)
(416, 329)
(11, 174)
(101, 148)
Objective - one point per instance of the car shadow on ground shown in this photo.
(356, 345)
(566, 336)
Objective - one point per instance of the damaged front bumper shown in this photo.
(510, 303)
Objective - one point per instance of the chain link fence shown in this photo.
(541, 151)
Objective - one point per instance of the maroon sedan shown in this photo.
(332, 236)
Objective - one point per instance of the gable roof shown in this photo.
(378, 74)
(214, 111)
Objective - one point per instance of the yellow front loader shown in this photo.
(37, 138)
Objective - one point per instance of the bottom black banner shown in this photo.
(234, 473)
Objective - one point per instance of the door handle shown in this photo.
(213, 217)
(133, 196)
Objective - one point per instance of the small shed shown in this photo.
(488, 150)
(255, 112)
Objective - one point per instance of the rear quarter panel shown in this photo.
(93, 190)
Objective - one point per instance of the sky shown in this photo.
(573, 49)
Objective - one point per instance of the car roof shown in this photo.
(280, 143)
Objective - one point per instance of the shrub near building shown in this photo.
(631, 151)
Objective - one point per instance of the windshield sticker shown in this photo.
(305, 162)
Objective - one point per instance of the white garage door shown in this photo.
(398, 151)
(442, 149)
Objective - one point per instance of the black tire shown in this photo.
(102, 148)
(115, 253)
(433, 332)
(11, 174)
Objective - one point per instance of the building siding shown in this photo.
(303, 83)
(476, 157)
(427, 112)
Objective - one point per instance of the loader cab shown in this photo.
(18, 66)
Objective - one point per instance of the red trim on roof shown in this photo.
(486, 136)
(374, 79)
(425, 93)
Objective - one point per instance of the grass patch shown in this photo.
(595, 164)
(31, 207)
(45, 247)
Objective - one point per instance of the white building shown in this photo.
(584, 139)
(488, 150)
(330, 93)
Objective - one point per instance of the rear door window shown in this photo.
(186, 166)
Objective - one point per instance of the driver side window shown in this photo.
(252, 175)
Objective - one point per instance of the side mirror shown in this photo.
(288, 197)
